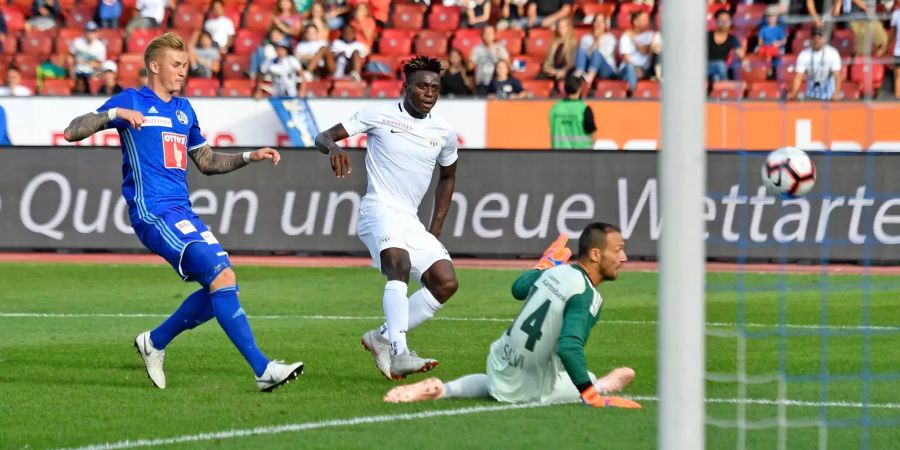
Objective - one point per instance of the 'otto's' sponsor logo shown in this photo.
(174, 151)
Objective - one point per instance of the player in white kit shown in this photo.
(540, 358)
(404, 142)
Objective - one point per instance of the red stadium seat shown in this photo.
(728, 90)
(591, 10)
(114, 40)
(395, 45)
(512, 39)
(646, 90)
(844, 42)
(802, 39)
(764, 90)
(234, 13)
(348, 88)
(623, 18)
(10, 46)
(786, 68)
(247, 41)
(236, 88)
(38, 43)
(235, 66)
(202, 87)
(748, 16)
(538, 42)
(258, 18)
(318, 89)
(537, 88)
(393, 33)
(65, 37)
(385, 88)
(869, 73)
(611, 89)
(431, 43)
(850, 89)
(466, 40)
(140, 39)
(202, 5)
(526, 67)
(756, 69)
(27, 64)
(187, 17)
(79, 16)
(408, 17)
(443, 18)
(388, 61)
(130, 64)
(14, 18)
(58, 87)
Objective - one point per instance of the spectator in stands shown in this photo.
(109, 76)
(44, 15)
(477, 13)
(572, 123)
(81, 87)
(284, 70)
(484, 59)
(220, 27)
(14, 87)
(142, 77)
(318, 19)
(286, 19)
(820, 66)
(364, 24)
(455, 81)
(772, 37)
(815, 8)
(314, 54)
(513, 14)
(109, 12)
(265, 51)
(380, 10)
(895, 27)
(335, 13)
(504, 85)
(720, 44)
(87, 53)
(868, 34)
(3, 32)
(149, 14)
(640, 47)
(546, 13)
(596, 53)
(206, 59)
(561, 57)
(4, 134)
(348, 53)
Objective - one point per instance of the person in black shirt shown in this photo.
(456, 81)
(109, 76)
(720, 43)
(545, 13)
(504, 85)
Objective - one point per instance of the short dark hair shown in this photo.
(573, 84)
(722, 12)
(421, 63)
(636, 14)
(594, 236)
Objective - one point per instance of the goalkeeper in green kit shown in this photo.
(540, 358)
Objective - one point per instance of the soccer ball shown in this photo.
(788, 172)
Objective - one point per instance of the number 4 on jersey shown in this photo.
(532, 325)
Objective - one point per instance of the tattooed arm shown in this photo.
(90, 123)
(212, 163)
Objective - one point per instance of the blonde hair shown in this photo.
(170, 41)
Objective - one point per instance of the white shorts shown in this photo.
(380, 227)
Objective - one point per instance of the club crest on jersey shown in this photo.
(174, 150)
(433, 140)
(182, 117)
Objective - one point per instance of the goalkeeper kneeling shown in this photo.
(540, 358)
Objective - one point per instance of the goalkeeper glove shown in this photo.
(590, 397)
(557, 253)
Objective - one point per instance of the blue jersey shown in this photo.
(154, 158)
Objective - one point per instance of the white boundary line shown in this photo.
(452, 319)
(366, 420)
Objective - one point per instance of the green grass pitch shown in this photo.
(71, 381)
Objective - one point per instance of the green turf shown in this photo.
(72, 381)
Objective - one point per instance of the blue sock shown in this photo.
(194, 311)
(234, 321)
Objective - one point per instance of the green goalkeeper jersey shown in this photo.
(541, 355)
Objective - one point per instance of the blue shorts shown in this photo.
(169, 236)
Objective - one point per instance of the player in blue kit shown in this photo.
(158, 132)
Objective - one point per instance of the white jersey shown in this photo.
(401, 153)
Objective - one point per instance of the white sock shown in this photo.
(396, 313)
(469, 386)
(422, 306)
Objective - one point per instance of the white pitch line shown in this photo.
(452, 319)
(367, 420)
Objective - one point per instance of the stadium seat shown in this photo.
(537, 88)
(385, 88)
(756, 69)
(786, 68)
(869, 73)
(431, 43)
(748, 17)
(79, 16)
(58, 87)
(590, 10)
(233, 13)
(408, 17)
(802, 39)
(236, 88)
(258, 18)
(623, 18)
(348, 89)
(466, 40)
(39, 43)
(64, 39)
(267, 3)
(512, 39)
(851, 90)
(443, 18)
(202, 5)
(647, 90)
(140, 39)
(27, 64)
(246, 42)
(395, 45)
(320, 88)
(130, 65)
(187, 17)
(611, 89)
(202, 87)
(844, 42)
(728, 90)
(388, 61)
(14, 18)
(764, 90)
(235, 4)
(538, 42)
(114, 40)
(526, 67)
(235, 66)
(10, 46)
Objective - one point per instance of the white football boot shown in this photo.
(409, 362)
(153, 359)
(380, 348)
(278, 373)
